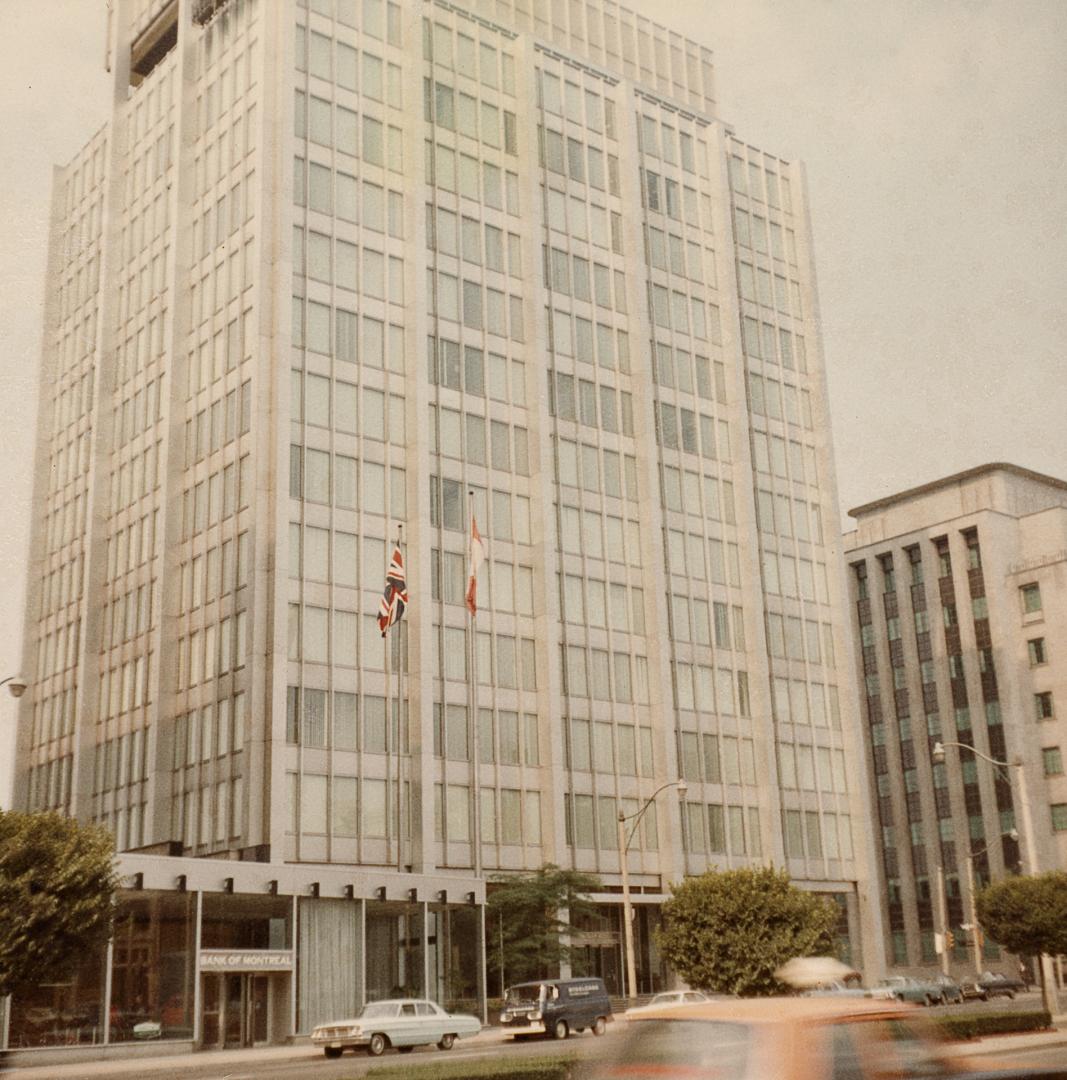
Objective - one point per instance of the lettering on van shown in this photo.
(582, 989)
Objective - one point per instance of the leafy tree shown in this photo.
(729, 930)
(526, 938)
(1027, 915)
(57, 882)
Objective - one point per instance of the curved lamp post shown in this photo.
(1029, 843)
(625, 839)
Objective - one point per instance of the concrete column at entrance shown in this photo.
(361, 967)
(483, 992)
(225, 1004)
(198, 917)
(292, 982)
(565, 966)
(108, 961)
(425, 906)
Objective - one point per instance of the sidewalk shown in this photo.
(244, 1062)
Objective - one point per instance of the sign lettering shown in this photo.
(246, 960)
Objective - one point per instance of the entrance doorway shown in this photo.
(236, 1010)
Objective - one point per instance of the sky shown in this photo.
(934, 134)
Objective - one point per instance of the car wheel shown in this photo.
(376, 1046)
(447, 1042)
(1011, 995)
(560, 1029)
(404, 1049)
(332, 1051)
(983, 997)
(600, 1026)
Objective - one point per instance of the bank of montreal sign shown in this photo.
(239, 960)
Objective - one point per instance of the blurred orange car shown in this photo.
(785, 1039)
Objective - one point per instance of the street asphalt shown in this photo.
(295, 1060)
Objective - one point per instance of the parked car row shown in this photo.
(556, 1008)
(989, 985)
(940, 990)
(550, 1007)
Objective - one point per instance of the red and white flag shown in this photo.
(477, 557)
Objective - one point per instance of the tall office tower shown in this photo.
(341, 273)
(958, 589)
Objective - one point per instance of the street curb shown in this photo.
(247, 1059)
(1005, 1044)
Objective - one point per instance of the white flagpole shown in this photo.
(388, 721)
(476, 794)
(399, 725)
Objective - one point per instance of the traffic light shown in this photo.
(950, 940)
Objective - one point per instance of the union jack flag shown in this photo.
(395, 597)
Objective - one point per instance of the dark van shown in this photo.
(556, 1007)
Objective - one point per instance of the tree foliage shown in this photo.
(727, 931)
(1027, 915)
(57, 883)
(526, 938)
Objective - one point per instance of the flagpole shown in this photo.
(476, 799)
(399, 724)
(388, 725)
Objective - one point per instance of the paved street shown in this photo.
(301, 1062)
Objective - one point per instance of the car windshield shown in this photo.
(664, 999)
(528, 994)
(378, 1009)
(652, 1049)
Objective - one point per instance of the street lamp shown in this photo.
(624, 846)
(1029, 841)
(16, 685)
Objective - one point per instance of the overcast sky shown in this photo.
(934, 134)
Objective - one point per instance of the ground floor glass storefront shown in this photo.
(411, 949)
(231, 969)
(598, 949)
(151, 982)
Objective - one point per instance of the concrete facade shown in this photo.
(958, 595)
(336, 273)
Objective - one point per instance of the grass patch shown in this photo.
(502, 1068)
(976, 1025)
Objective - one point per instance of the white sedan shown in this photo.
(404, 1023)
(667, 999)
